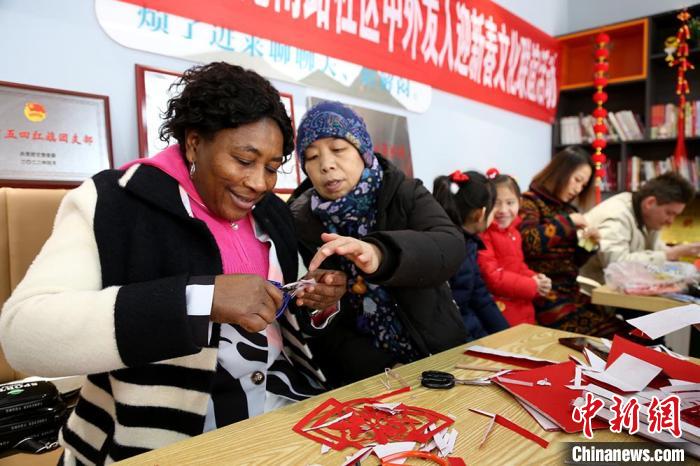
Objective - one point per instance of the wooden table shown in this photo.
(269, 439)
(605, 296)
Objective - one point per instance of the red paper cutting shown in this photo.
(368, 425)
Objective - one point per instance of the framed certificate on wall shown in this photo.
(52, 137)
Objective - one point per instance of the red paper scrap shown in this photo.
(673, 368)
(554, 401)
(505, 422)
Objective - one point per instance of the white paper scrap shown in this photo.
(359, 455)
(325, 448)
(387, 407)
(597, 363)
(451, 438)
(577, 361)
(545, 423)
(679, 382)
(441, 439)
(577, 376)
(430, 428)
(658, 324)
(627, 373)
(428, 446)
(514, 382)
(686, 387)
(395, 447)
(329, 423)
(673, 353)
(487, 431)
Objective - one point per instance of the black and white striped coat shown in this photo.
(106, 296)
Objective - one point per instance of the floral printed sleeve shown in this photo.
(543, 229)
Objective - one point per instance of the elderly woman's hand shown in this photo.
(246, 300)
(331, 286)
(365, 256)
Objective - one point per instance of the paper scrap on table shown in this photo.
(627, 373)
(596, 362)
(329, 423)
(359, 455)
(390, 408)
(487, 431)
(506, 354)
(515, 382)
(577, 376)
(395, 447)
(658, 324)
(577, 361)
(665, 349)
(686, 387)
(679, 382)
(545, 423)
(508, 424)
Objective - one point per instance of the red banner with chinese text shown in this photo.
(474, 48)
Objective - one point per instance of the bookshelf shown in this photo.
(640, 83)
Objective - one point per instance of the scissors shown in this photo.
(445, 380)
(289, 291)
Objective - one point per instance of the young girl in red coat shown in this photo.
(502, 264)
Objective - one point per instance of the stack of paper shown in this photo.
(551, 392)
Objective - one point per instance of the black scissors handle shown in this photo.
(437, 379)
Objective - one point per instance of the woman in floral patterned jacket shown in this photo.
(551, 229)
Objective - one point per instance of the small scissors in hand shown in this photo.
(445, 380)
(289, 291)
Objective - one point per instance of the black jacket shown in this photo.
(480, 314)
(421, 250)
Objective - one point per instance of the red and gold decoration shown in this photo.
(600, 80)
(682, 88)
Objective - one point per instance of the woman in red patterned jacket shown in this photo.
(502, 264)
(550, 229)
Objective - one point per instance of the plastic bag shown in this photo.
(646, 279)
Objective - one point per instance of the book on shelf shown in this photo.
(622, 126)
(609, 182)
(664, 120)
(639, 171)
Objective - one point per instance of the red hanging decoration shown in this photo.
(600, 80)
(680, 155)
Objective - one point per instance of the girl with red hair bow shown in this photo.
(468, 199)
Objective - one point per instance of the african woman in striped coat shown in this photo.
(157, 281)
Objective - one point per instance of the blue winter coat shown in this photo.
(479, 312)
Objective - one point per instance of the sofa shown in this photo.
(26, 221)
